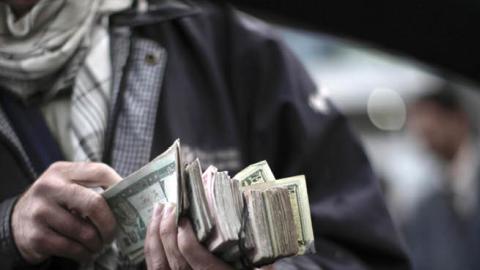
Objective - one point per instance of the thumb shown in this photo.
(93, 174)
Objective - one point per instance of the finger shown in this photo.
(92, 174)
(196, 255)
(92, 206)
(61, 246)
(153, 248)
(73, 227)
(168, 235)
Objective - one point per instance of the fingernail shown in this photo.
(168, 209)
(156, 210)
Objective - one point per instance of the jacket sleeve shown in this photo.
(292, 125)
(10, 257)
(8, 250)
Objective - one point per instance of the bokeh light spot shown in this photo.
(386, 109)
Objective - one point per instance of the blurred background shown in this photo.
(405, 92)
(419, 131)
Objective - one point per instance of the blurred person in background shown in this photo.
(114, 82)
(444, 232)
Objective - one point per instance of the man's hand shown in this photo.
(60, 216)
(169, 247)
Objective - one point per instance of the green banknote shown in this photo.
(132, 200)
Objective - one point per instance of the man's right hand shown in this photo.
(59, 215)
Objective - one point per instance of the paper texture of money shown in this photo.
(250, 220)
(132, 200)
(298, 196)
(256, 173)
(199, 209)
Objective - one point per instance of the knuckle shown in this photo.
(58, 244)
(43, 186)
(39, 211)
(159, 263)
(107, 173)
(96, 203)
(38, 239)
(165, 230)
(149, 249)
(100, 169)
(73, 191)
(180, 265)
(184, 244)
(57, 166)
(51, 179)
(87, 234)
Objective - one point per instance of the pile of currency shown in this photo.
(249, 220)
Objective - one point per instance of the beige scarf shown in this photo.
(43, 41)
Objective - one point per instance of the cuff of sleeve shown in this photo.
(7, 244)
(8, 248)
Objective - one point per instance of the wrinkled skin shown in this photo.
(59, 215)
(170, 247)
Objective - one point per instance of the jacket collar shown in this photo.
(158, 11)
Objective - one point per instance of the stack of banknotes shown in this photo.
(249, 220)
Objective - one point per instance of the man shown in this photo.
(444, 230)
(80, 84)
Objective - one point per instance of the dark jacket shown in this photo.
(236, 95)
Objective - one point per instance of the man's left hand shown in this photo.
(170, 247)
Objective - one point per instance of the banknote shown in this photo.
(297, 188)
(224, 206)
(132, 199)
(251, 216)
(199, 210)
(259, 172)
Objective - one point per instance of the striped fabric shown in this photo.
(90, 99)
